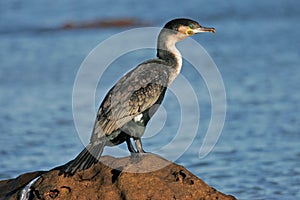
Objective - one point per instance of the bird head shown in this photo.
(187, 27)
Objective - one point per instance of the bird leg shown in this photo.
(139, 154)
(138, 144)
(130, 146)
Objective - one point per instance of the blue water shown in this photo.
(256, 49)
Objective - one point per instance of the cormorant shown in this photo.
(131, 102)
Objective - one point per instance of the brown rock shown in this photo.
(108, 23)
(147, 177)
(10, 188)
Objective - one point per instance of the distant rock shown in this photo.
(104, 23)
(149, 177)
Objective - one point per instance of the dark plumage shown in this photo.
(131, 102)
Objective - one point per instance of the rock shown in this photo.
(10, 188)
(146, 177)
(104, 23)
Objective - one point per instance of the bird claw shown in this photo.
(137, 157)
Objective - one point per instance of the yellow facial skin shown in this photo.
(189, 32)
(186, 30)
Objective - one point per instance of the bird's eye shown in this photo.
(191, 26)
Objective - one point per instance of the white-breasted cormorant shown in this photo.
(131, 102)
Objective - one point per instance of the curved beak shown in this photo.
(203, 29)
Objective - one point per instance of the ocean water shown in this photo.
(256, 50)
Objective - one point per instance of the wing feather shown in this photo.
(134, 93)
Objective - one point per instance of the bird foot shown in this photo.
(137, 157)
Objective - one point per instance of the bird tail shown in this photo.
(87, 157)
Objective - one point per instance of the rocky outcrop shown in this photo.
(108, 23)
(146, 177)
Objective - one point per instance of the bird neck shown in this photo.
(167, 51)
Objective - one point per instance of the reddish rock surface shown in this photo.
(149, 177)
(108, 23)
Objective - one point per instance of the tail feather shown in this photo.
(87, 157)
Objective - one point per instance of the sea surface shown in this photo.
(256, 50)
